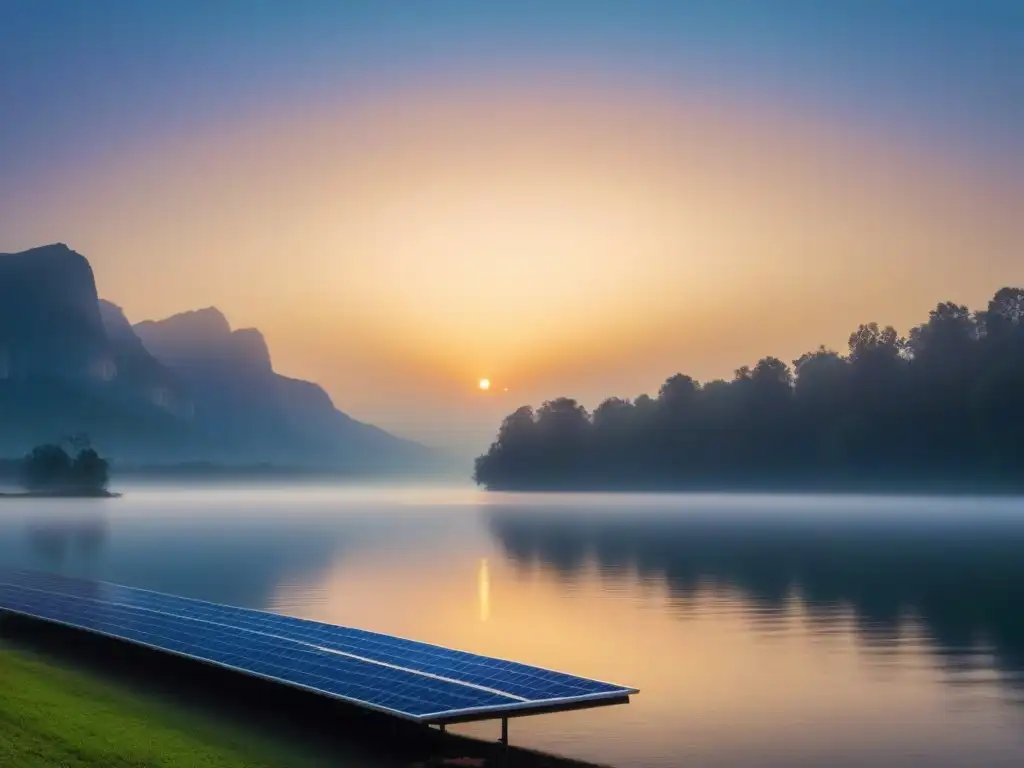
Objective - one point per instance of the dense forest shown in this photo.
(940, 407)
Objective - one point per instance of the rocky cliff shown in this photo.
(188, 388)
(50, 321)
(62, 373)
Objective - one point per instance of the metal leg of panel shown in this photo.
(442, 727)
(504, 731)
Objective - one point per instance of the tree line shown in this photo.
(940, 406)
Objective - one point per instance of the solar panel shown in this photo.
(408, 678)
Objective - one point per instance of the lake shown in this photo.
(762, 630)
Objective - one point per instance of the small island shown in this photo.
(49, 471)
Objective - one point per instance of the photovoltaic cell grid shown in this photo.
(404, 677)
(519, 680)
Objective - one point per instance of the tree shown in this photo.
(46, 468)
(821, 397)
(1005, 313)
(869, 343)
(677, 394)
(89, 472)
(518, 429)
(645, 408)
(820, 376)
(562, 419)
(772, 379)
(949, 332)
(513, 453)
(613, 415)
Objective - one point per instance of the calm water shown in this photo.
(761, 630)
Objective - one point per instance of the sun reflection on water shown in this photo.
(483, 580)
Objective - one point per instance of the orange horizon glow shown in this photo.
(579, 241)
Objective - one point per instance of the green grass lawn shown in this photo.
(56, 717)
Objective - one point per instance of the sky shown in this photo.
(566, 197)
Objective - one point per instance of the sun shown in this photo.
(485, 384)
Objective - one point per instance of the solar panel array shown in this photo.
(411, 679)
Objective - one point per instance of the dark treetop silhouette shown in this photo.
(942, 407)
(50, 469)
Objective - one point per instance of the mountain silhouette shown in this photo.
(137, 370)
(230, 376)
(187, 388)
(50, 321)
(237, 391)
(58, 366)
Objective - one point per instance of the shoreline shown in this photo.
(879, 488)
(58, 495)
(767, 491)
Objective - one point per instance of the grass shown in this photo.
(74, 701)
(50, 716)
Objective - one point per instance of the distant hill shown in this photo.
(237, 391)
(184, 389)
(138, 371)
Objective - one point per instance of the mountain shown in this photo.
(310, 411)
(59, 368)
(188, 388)
(137, 370)
(50, 321)
(237, 392)
(230, 377)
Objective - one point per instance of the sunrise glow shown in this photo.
(663, 355)
(590, 229)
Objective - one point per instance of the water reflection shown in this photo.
(230, 546)
(483, 581)
(768, 631)
(956, 580)
(60, 539)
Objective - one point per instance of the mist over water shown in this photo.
(762, 630)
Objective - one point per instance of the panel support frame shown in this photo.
(508, 714)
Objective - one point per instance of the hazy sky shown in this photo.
(566, 197)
